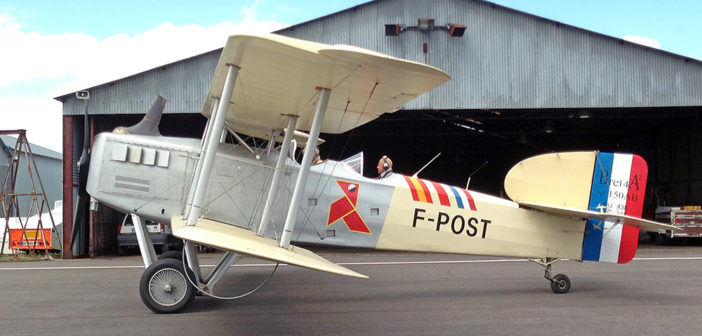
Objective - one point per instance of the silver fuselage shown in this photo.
(152, 177)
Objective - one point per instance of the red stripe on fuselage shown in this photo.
(443, 198)
(470, 199)
(415, 197)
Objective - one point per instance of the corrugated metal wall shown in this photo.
(510, 59)
(506, 59)
(184, 84)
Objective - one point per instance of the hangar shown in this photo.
(521, 85)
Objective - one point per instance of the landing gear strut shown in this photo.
(560, 283)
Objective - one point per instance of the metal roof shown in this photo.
(184, 84)
(9, 142)
(511, 59)
(507, 59)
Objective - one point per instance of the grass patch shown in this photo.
(24, 256)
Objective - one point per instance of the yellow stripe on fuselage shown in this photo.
(421, 193)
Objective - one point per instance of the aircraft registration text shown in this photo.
(457, 224)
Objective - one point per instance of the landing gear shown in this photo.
(164, 287)
(560, 283)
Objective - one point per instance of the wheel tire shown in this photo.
(560, 284)
(177, 255)
(164, 288)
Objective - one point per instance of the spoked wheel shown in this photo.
(164, 287)
(560, 284)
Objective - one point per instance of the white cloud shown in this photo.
(81, 61)
(40, 116)
(649, 42)
(123, 55)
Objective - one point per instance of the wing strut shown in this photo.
(272, 191)
(196, 175)
(209, 147)
(305, 168)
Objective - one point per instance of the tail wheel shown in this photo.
(560, 284)
(164, 287)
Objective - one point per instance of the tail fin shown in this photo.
(602, 182)
(618, 186)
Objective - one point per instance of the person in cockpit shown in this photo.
(384, 167)
(316, 159)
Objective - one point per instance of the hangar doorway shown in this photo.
(669, 138)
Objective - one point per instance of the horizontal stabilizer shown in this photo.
(231, 238)
(640, 223)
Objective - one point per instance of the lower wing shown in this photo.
(231, 238)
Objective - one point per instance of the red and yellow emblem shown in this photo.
(345, 208)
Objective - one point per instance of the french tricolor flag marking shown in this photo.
(618, 186)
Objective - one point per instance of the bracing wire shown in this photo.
(236, 297)
(317, 191)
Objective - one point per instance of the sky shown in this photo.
(50, 48)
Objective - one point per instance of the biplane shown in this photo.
(259, 200)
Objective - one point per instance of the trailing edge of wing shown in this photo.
(231, 238)
(640, 223)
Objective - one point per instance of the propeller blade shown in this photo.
(149, 124)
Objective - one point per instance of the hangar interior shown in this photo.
(522, 85)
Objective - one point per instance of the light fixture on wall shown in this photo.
(425, 25)
(393, 29)
(456, 30)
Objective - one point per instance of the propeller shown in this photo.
(147, 126)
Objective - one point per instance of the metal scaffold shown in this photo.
(24, 237)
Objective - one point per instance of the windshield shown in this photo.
(355, 162)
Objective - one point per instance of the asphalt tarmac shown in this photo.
(659, 293)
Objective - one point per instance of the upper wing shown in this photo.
(280, 75)
(640, 223)
(232, 238)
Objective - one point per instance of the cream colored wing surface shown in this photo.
(561, 179)
(279, 75)
(640, 223)
(232, 238)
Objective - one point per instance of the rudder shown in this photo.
(618, 186)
